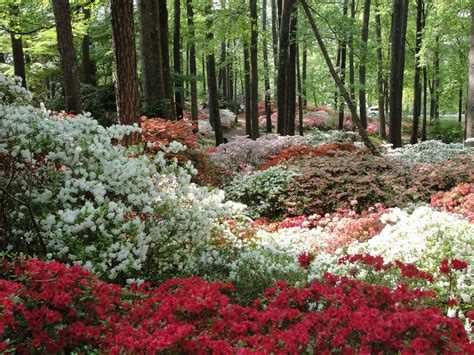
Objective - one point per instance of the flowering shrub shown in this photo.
(71, 194)
(11, 91)
(51, 308)
(458, 200)
(261, 191)
(429, 151)
(161, 131)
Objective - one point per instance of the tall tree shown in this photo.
(291, 75)
(178, 83)
(417, 83)
(363, 61)
(380, 76)
(343, 56)
(283, 57)
(268, 113)
(18, 58)
(126, 82)
(304, 75)
(151, 59)
(88, 66)
(165, 60)
(397, 67)
(351, 54)
(338, 81)
(300, 98)
(275, 33)
(192, 62)
(470, 95)
(254, 68)
(62, 16)
(248, 103)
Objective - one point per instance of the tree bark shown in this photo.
(300, 98)
(254, 68)
(62, 16)
(126, 82)
(343, 70)
(380, 78)
(363, 61)
(18, 58)
(417, 83)
(351, 57)
(268, 113)
(291, 80)
(275, 33)
(151, 60)
(337, 79)
(192, 63)
(397, 66)
(304, 76)
(425, 103)
(88, 66)
(223, 71)
(469, 134)
(283, 66)
(248, 102)
(178, 83)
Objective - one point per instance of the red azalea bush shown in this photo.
(333, 180)
(48, 307)
(460, 200)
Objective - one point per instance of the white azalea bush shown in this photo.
(431, 151)
(262, 191)
(71, 193)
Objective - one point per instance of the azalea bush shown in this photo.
(70, 193)
(460, 200)
(48, 307)
(429, 151)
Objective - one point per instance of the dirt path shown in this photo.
(239, 129)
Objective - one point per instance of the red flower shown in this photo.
(444, 268)
(458, 264)
(305, 259)
(452, 302)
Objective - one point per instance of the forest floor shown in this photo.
(239, 128)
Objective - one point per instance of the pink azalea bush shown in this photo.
(460, 200)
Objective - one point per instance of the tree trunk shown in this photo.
(417, 83)
(460, 106)
(343, 70)
(151, 60)
(275, 33)
(88, 66)
(291, 81)
(192, 63)
(351, 56)
(178, 83)
(203, 73)
(126, 81)
(248, 102)
(304, 76)
(363, 61)
(337, 79)
(2, 58)
(283, 66)
(18, 58)
(254, 68)
(397, 66)
(300, 98)
(223, 71)
(62, 16)
(268, 113)
(469, 134)
(380, 78)
(425, 103)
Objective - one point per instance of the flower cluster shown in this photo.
(52, 308)
(429, 151)
(460, 200)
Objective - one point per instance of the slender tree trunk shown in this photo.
(343, 71)
(62, 16)
(283, 57)
(425, 103)
(268, 113)
(165, 60)
(351, 56)
(337, 79)
(397, 66)
(417, 83)
(18, 58)
(88, 66)
(304, 76)
(192, 63)
(223, 71)
(300, 98)
(469, 133)
(126, 82)
(275, 33)
(254, 68)
(248, 102)
(460, 106)
(2, 58)
(436, 79)
(380, 78)
(203, 73)
(291, 81)
(363, 61)
(151, 60)
(178, 83)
